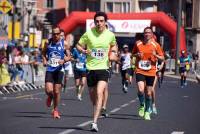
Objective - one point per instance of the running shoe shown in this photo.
(49, 101)
(154, 109)
(125, 89)
(141, 111)
(56, 114)
(147, 116)
(185, 84)
(104, 112)
(79, 97)
(94, 127)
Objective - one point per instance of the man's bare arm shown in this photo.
(113, 53)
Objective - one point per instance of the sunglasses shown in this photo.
(56, 33)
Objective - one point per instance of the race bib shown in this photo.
(144, 64)
(79, 65)
(53, 62)
(98, 53)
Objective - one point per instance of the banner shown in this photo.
(123, 26)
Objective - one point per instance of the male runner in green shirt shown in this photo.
(100, 48)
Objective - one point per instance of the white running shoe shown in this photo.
(94, 127)
(79, 97)
(154, 110)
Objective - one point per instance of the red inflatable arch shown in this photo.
(158, 19)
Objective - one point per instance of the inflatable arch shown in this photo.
(158, 19)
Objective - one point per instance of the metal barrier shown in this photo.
(33, 78)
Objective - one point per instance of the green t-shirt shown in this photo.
(99, 45)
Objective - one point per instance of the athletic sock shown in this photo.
(126, 83)
(148, 102)
(181, 80)
(141, 98)
(184, 79)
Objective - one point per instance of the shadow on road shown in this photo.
(124, 117)
(66, 128)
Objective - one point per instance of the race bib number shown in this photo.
(53, 62)
(145, 65)
(98, 53)
(79, 65)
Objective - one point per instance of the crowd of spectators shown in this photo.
(16, 63)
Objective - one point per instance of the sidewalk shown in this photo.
(190, 76)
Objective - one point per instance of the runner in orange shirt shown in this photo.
(147, 52)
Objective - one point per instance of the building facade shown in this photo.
(43, 14)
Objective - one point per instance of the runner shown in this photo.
(147, 52)
(101, 47)
(184, 67)
(79, 72)
(54, 57)
(126, 73)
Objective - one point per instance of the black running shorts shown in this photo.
(54, 77)
(79, 74)
(93, 76)
(148, 79)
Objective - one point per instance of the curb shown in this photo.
(172, 75)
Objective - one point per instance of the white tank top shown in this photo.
(126, 61)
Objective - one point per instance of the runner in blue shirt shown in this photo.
(79, 72)
(184, 67)
(54, 56)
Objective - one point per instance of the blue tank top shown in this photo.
(184, 60)
(55, 52)
(80, 63)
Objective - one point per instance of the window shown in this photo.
(109, 7)
(92, 6)
(189, 14)
(118, 7)
(147, 6)
(126, 7)
(50, 3)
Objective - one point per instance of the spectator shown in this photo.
(25, 65)
(18, 62)
(11, 65)
(4, 75)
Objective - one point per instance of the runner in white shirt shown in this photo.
(125, 60)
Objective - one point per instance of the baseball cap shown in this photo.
(183, 51)
(125, 46)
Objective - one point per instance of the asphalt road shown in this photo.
(178, 112)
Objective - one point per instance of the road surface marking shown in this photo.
(125, 105)
(115, 110)
(90, 121)
(177, 132)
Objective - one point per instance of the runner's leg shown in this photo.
(101, 85)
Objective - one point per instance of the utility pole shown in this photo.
(178, 35)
